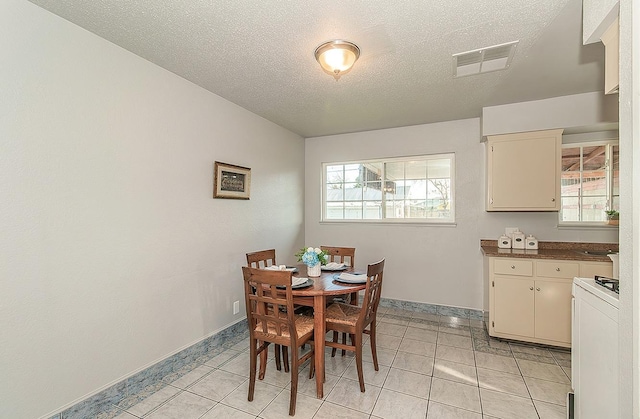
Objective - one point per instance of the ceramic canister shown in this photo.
(504, 242)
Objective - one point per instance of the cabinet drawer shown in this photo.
(591, 269)
(513, 267)
(557, 269)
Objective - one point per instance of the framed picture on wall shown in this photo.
(231, 181)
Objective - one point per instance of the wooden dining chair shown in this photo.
(346, 255)
(260, 260)
(354, 320)
(269, 324)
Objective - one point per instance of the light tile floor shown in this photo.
(430, 367)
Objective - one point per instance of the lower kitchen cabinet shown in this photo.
(553, 310)
(513, 308)
(530, 300)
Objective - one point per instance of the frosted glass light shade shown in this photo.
(337, 57)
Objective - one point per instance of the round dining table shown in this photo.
(316, 296)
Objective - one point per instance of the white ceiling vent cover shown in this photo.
(483, 60)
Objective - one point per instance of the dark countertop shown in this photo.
(552, 250)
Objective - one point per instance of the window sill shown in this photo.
(411, 223)
(585, 226)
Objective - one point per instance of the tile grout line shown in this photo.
(405, 335)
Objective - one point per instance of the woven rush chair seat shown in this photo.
(303, 325)
(343, 313)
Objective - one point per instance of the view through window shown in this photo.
(590, 181)
(418, 188)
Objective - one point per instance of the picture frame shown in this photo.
(231, 181)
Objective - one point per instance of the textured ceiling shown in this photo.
(259, 54)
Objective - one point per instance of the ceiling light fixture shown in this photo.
(337, 57)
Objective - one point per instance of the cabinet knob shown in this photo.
(513, 266)
(557, 269)
(537, 289)
(553, 200)
(531, 288)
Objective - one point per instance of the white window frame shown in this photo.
(438, 221)
(609, 175)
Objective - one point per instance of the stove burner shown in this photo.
(609, 283)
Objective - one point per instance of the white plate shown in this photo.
(341, 268)
(287, 269)
(351, 281)
(305, 284)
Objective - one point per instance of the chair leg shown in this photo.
(344, 342)
(358, 345)
(294, 382)
(277, 351)
(252, 368)
(285, 358)
(312, 367)
(372, 341)
(335, 339)
(263, 362)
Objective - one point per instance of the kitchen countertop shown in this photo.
(552, 250)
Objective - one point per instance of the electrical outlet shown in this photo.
(236, 307)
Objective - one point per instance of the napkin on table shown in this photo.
(353, 277)
(297, 281)
(276, 268)
(334, 265)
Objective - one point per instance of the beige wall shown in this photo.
(113, 254)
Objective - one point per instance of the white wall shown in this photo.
(597, 16)
(569, 112)
(431, 264)
(113, 254)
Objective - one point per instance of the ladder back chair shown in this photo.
(344, 255)
(263, 257)
(260, 260)
(269, 324)
(354, 320)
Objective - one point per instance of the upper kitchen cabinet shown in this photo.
(611, 40)
(523, 171)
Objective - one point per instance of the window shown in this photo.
(589, 182)
(418, 188)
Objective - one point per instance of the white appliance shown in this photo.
(594, 351)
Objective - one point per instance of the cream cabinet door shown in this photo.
(523, 171)
(553, 310)
(513, 306)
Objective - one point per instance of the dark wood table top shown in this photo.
(325, 284)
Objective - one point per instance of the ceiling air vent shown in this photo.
(483, 60)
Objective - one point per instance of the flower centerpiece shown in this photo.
(314, 258)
